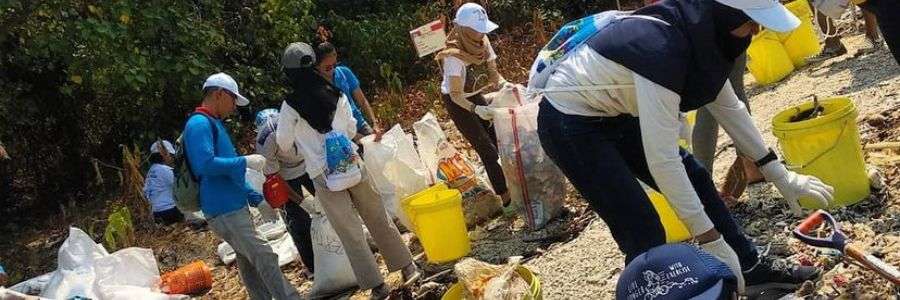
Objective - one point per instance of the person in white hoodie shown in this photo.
(159, 184)
(610, 116)
(317, 117)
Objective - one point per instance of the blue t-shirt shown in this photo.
(223, 188)
(345, 80)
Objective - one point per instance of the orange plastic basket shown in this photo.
(190, 279)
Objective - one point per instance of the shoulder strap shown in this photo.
(215, 136)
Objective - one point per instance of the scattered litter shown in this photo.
(87, 271)
(486, 281)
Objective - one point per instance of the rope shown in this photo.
(829, 22)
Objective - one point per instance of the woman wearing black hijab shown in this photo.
(313, 109)
(610, 116)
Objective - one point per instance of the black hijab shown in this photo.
(691, 56)
(313, 97)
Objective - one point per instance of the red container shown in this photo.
(275, 189)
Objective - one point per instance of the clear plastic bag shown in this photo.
(486, 281)
(536, 185)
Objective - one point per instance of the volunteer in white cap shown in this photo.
(614, 85)
(159, 184)
(468, 45)
(224, 191)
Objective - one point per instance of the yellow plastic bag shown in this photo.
(767, 59)
(803, 42)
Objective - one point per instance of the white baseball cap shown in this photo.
(154, 148)
(224, 81)
(769, 13)
(473, 16)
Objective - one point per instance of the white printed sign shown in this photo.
(429, 38)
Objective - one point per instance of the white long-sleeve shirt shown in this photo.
(289, 164)
(292, 127)
(658, 110)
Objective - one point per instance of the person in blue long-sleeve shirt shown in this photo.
(224, 192)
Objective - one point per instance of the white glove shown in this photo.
(484, 112)
(793, 186)
(687, 131)
(723, 252)
(489, 97)
(255, 162)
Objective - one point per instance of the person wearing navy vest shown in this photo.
(224, 191)
(610, 116)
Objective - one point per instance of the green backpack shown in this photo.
(187, 185)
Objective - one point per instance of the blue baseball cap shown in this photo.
(676, 271)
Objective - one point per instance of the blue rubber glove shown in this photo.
(254, 198)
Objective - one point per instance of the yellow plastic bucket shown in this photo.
(404, 204)
(767, 59)
(826, 147)
(675, 229)
(455, 292)
(437, 215)
(801, 43)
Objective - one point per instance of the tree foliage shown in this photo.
(82, 77)
(79, 78)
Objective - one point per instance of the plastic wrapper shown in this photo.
(486, 281)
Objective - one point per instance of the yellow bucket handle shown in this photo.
(815, 158)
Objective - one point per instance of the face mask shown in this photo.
(727, 19)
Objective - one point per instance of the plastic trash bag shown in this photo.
(33, 286)
(486, 281)
(86, 270)
(429, 135)
(129, 274)
(283, 246)
(536, 185)
(275, 232)
(333, 271)
(395, 169)
(75, 274)
(11, 294)
(448, 165)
